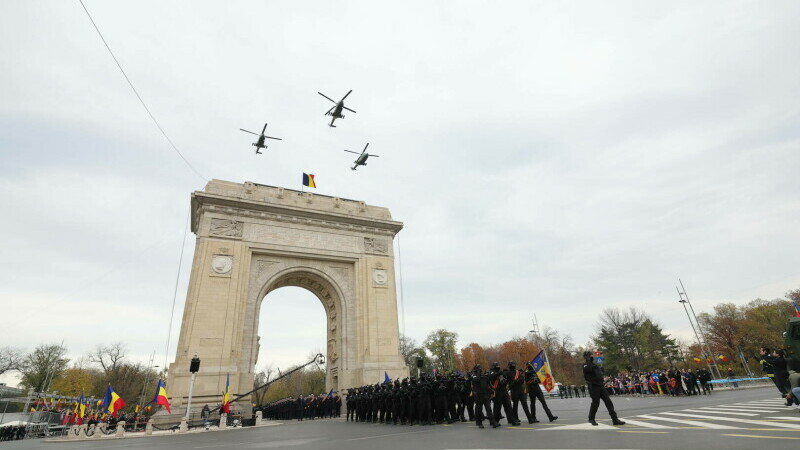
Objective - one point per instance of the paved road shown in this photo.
(743, 419)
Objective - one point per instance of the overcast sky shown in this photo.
(546, 157)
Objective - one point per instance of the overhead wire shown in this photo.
(138, 96)
(175, 292)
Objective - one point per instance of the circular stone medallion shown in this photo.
(221, 264)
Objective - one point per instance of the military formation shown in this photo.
(446, 398)
(304, 407)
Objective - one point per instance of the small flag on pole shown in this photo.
(386, 378)
(796, 309)
(226, 396)
(161, 396)
(308, 180)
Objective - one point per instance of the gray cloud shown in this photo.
(545, 158)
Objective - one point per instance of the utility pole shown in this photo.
(535, 332)
(147, 378)
(698, 332)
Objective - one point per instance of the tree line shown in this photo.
(47, 369)
(627, 339)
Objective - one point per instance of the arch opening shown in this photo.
(291, 330)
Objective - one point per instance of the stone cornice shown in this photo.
(203, 202)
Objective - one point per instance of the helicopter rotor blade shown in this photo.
(329, 111)
(270, 137)
(372, 156)
(345, 107)
(345, 95)
(249, 132)
(264, 129)
(320, 93)
(353, 152)
(365, 148)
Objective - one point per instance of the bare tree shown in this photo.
(11, 359)
(108, 356)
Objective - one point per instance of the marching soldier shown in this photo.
(594, 378)
(500, 388)
(482, 392)
(516, 383)
(535, 393)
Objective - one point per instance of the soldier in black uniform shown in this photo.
(594, 378)
(535, 393)
(516, 384)
(499, 384)
(482, 392)
(464, 388)
(424, 402)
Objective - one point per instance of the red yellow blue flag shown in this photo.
(796, 309)
(112, 401)
(308, 180)
(226, 396)
(161, 396)
(542, 369)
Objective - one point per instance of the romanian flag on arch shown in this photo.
(112, 401)
(161, 396)
(308, 180)
(542, 368)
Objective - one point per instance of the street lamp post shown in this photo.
(698, 332)
(194, 367)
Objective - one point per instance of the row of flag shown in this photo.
(112, 403)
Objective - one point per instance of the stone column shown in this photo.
(120, 429)
(148, 429)
(184, 426)
(223, 421)
(259, 416)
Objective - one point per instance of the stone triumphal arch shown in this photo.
(253, 239)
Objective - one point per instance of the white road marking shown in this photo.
(583, 426)
(690, 422)
(738, 420)
(748, 409)
(785, 418)
(391, 434)
(646, 424)
(720, 411)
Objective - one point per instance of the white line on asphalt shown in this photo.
(743, 409)
(391, 434)
(784, 418)
(583, 426)
(690, 422)
(720, 411)
(738, 420)
(646, 424)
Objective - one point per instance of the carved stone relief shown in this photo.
(380, 277)
(221, 264)
(376, 245)
(225, 227)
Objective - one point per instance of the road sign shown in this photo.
(599, 359)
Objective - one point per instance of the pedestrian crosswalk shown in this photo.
(760, 414)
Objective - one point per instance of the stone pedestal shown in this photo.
(223, 421)
(120, 429)
(184, 426)
(148, 429)
(258, 417)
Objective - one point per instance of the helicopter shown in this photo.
(259, 144)
(336, 110)
(362, 157)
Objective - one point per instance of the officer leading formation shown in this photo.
(480, 395)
